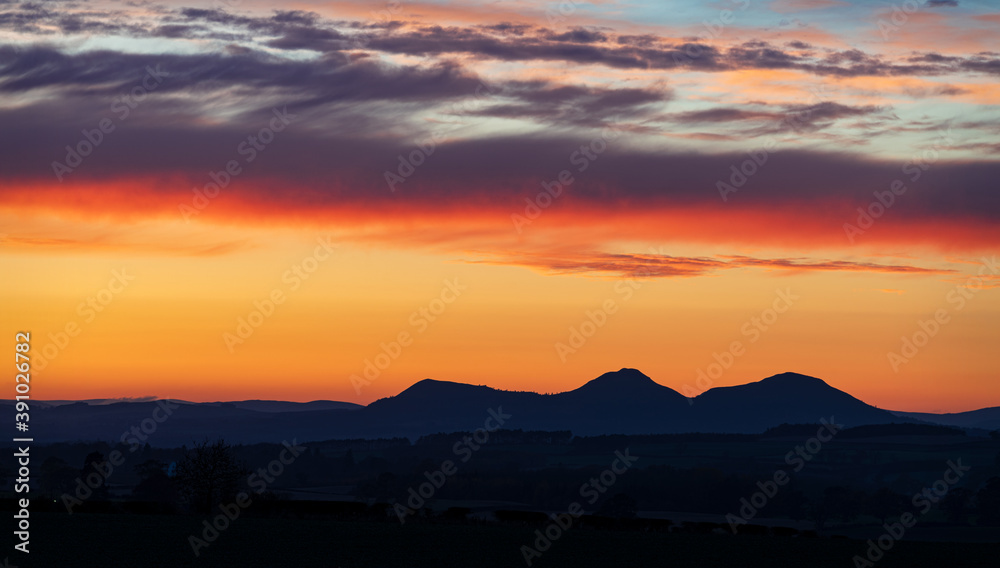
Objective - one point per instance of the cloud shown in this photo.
(569, 104)
(329, 165)
(800, 116)
(666, 266)
(298, 30)
(362, 109)
(120, 243)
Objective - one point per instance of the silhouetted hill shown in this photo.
(985, 418)
(788, 398)
(620, 402)
(625, 383)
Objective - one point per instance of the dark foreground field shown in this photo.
(129, 541)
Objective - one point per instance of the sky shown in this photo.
(335, 200)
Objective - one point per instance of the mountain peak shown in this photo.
(792, 378)
(624, 376)
(622, 380)
(434, 386)
(782, 383)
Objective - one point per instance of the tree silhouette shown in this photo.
(210, 474)
(886, 503)
(620, 506)
(155, 485)
(57, 476)
(93, 474)
(988, 501)
(958, 504)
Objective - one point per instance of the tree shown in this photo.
(620, 506)
(838, 503)
(154, 484)
(57, 476)
(94, 473)
(886, 503)
(958, 504)
(209, 475)
(988, 501)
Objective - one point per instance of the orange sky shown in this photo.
(164, 332)
(333, 247)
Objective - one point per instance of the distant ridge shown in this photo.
(619, 402)
(984, 418)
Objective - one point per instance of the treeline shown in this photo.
(867, 431)
(510, 437)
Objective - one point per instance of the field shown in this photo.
(147, 541)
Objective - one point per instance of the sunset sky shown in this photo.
(387, 173)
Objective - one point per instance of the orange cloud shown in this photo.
(666, 266)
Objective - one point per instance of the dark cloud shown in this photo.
(296, 17)
(760, 55)
(646, 40)
(507, 28)
(933, 58)
(569, 104)
(827, 111)
(982, 64)
(787, 118)
(325, 80)
(307, 37)
(330, 166)
(321, 83)
(299, 30)
(579, 35)
(723, 114)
